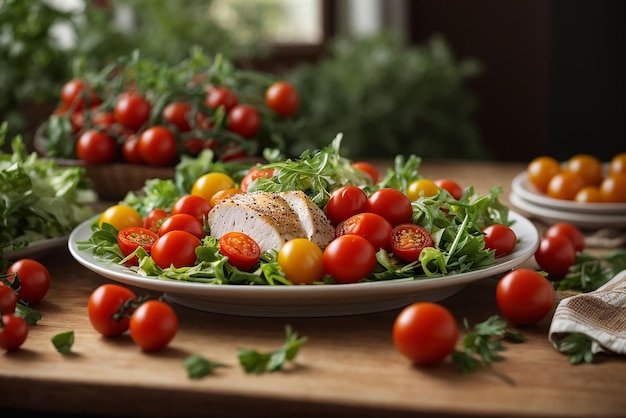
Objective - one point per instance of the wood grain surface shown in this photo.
(348, 366)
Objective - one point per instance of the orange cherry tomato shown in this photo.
(540, 170)
(586, 166)
(565, 185)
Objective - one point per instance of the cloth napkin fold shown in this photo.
(600, 315)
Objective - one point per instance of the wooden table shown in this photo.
(348, 367)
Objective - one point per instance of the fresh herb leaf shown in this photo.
(198, 366)
(30, 315)
(483, 344)
(256, 362)
(590, 272)
(63, 342)
(578, 346)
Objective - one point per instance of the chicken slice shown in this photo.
(313, 220)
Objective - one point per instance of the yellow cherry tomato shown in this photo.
(421, 188)
(209, 184)
(120, 216)
(301, 260)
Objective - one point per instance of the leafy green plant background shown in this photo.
(386, 98)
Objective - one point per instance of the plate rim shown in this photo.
(332, 295)
(35, 248)
(522, 187)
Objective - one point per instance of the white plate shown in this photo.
(521, 186)
(309, 301)
(35, 249)
(582, 220)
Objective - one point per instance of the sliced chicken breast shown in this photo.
(313, 220)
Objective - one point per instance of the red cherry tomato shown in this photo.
(132, 110)
(157, 146)
(34, 279)
(570, 231)
(408, 240)
(220, 96)
(370, 226)
(555, 255)
(132, 237)
(108, 308)
(154, 219)
(392, 205)
(368, 169)
(244, 120)
(8, 299)
(73, 95)
(193, 205)
(182, 222)
(500, 238)
(282, 98)
(175, 248)
(524, 296)
(451, 186)
(96, 147)
(253, 174)
(345, 202)
(178, 114)
(13, 332)
(130, 150)
(349, 258)
(242, 250)
(425, 333)
(153, 325)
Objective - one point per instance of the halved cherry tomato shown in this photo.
(241, 249)
(132, 237)
(370, 226)
(408, 240)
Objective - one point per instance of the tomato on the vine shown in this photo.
(425, 333)
(524, 296)
(345, 202)
(109, 307)
(8, 299)
(130, 150)
(569, 231)
(132, 110)
(500, 238)
(175, 248)
(132, 237)
(244, 120)
(368, 169)
(301, 260)
(157, 146)
(75, 91)
(349, 258)
(392, 205)
(103, 120)
(282, 98)
(241, 249)
(193, 205)
(153, 325)
(178, 114)
(34, 279)
(96, 147)
(555, 255)
(220, 96)
(370, 226)
(182, 222)
(13, 332)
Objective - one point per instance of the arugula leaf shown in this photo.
(591, 272)
(103, 244)
(198, 366)
(256, 362)
(63, 342)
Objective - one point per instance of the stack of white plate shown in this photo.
(527, 199)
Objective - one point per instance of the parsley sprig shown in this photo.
(482, 344)
(578, 346)
(591, 272)
(256, 362)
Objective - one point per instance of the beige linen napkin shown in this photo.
(600, 315)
